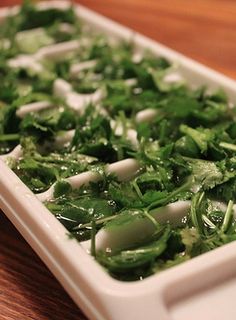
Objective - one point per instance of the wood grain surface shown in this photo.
(202, 29)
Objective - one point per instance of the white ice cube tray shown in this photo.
(203, 288)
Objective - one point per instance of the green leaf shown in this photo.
(190, 237)
(31, 41)
(201, 136)
(61, 188)
(130, 259)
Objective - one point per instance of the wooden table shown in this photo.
(205, 31)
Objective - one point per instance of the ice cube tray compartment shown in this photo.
(171, 295)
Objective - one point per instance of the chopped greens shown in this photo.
(180, 203)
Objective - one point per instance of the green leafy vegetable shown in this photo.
(185, 143)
